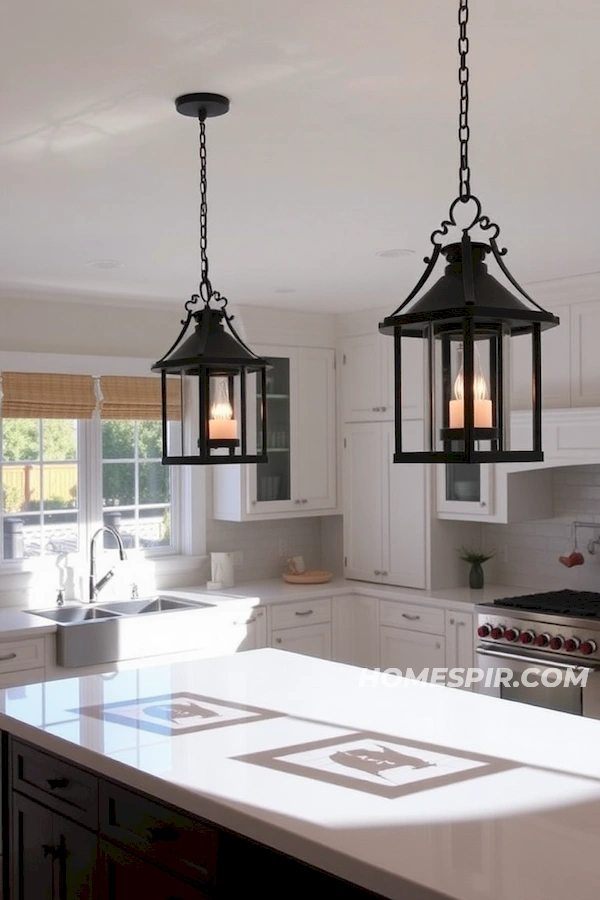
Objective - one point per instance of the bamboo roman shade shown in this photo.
(27, 395)
(137, 398)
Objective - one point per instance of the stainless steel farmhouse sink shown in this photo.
(125, 629)
(157, 604)
(74, 614)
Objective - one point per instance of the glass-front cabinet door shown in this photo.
(464, 490)
(270, 483)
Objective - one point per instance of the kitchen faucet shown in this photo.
(96, 587)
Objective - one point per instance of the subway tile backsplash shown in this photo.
(528, 554)
(261, 542)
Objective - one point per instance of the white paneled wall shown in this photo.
(527, 555)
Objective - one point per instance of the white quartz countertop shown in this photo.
(405, 789)
(20, 623)
(278, 591)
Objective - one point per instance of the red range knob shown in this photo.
(527, 637)
(511, 634)
(497, 632)
(542, 640)
(588, 647)
(557, 642)
(571, 645)
(484, 630)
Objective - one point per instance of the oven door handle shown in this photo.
(547, 664)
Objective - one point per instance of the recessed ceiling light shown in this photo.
(394, 253)
(104, 263)
(285, 290)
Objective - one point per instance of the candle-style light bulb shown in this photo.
(221, 424)
(481, 401)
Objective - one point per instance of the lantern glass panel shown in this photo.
(452, 366)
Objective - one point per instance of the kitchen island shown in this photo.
(212, 777)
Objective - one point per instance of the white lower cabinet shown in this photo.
(22, 662)
(311, 640)
(402, 649)
(303, 626)
(246, 630)
(355, 630)
(460, 643)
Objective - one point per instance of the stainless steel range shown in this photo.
(542, 649)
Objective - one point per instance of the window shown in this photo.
(136, 487)
(64, 476)
(40, 487)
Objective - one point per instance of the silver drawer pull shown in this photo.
(308, 612)
(8, 656)
(278, 640)
(410, 618)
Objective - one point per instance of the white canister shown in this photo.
(221, 569)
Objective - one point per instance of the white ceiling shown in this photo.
(341, 142)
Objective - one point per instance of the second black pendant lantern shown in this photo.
(467, 321)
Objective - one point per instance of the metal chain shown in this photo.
(463, 122)
(203, 207)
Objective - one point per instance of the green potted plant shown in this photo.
(475, 558)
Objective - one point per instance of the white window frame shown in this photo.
(189, 547)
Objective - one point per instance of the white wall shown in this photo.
(528, 554)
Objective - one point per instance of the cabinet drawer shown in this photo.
(25, 676)
(162, 835)
(412, 616)
(303, 612)
(17, 655)
(123, 876)
(56, 783)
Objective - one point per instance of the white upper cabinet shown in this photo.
(464, 490)
(385, 533)
(300, 476)
(368, 378)
(556, 363)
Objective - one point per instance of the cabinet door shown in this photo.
(75, 866)
(460, 651)
(365, 379)
(313, 430)
(465, 491)
(269, 485)
(244, 631)
(311, 640)
(31, 866)
(556, 365)
(585, 359)
(400, 649)
(123, 876)
(404, 512)
(355, 628)
(363, 502)
(368, 378)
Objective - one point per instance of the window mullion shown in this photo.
(91, 463)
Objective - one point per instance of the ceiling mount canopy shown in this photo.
(222, 383)
(467, 320)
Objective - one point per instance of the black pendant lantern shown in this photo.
(467, 320)
(219, 382)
